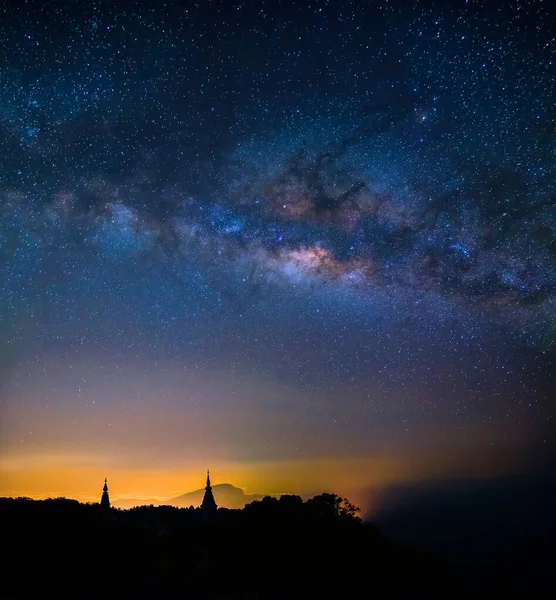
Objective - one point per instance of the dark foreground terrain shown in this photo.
(283, 548)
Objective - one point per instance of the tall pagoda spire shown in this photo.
(105, 500)
(209, 503)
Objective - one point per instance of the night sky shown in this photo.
(310, 245)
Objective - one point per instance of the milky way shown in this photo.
(355, 199)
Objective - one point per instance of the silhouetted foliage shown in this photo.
(273, 548)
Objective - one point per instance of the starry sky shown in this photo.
(310, 245)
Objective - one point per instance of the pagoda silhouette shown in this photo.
(105, 500)
(208, 506)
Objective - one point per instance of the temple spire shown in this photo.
(208, 506)
(105, 500)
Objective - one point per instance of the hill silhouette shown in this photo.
(225, 494)
(273, 548)
(280, 547)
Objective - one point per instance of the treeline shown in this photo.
(273, 548)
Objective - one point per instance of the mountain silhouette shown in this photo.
(225, 494)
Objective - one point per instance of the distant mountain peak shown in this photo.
(226, 486)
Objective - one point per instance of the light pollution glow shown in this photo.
(157, 447)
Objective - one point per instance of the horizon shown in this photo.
(367, 496)
(246, 480)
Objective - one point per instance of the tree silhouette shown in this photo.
(331, 506)
(273, 548)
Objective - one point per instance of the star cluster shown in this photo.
(342, 212)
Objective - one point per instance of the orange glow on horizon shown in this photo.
(82, 477)
(162, 450)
